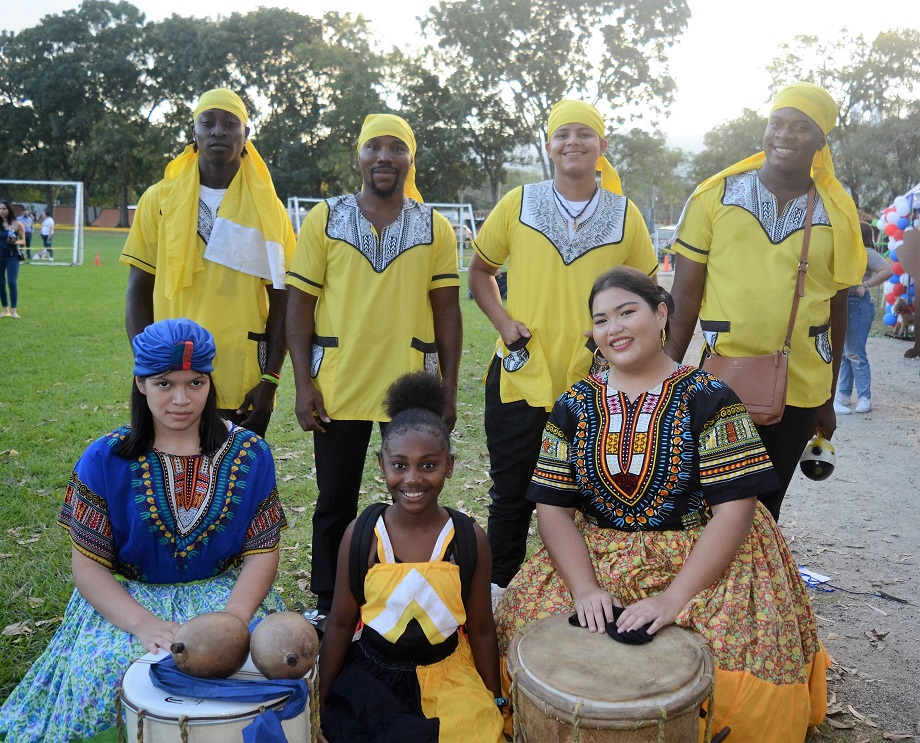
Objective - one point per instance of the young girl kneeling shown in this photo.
(416, 574)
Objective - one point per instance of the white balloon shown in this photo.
(894, 244)
(901, 206)
(892, 217)
(905, 279)
(917, 223)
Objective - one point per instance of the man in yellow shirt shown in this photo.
(374, 294)
(738, 248)
(210, 242)
(557, 237)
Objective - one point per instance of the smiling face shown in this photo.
(791, 140)
(220, 136)
(385, 163)
(415, 463)
(626, 328)
(176, 399)
(574, 149)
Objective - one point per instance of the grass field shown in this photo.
(69, 365)
(68, 379)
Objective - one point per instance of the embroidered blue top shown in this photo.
(163, 518)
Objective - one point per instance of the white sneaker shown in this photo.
(864, 405)
(840, 408)
(497, 593)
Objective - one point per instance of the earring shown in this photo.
(664, 339)
(600, 361)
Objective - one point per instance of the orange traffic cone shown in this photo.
(667, 262)
(98, 261)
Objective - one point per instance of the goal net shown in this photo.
(63, 202)
(459, 215)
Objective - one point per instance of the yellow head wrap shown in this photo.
(390, 125)
(816, 103)
(579, 112)
(250, 203)
(225, 100)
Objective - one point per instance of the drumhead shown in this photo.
(562, 667)
(139, 693)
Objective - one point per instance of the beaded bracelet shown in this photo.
(272, 378)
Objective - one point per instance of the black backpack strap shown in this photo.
(360, 546)
(466, 551)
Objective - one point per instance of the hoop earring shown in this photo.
(664, 339)
(602, 361)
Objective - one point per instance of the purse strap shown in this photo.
(803, 268)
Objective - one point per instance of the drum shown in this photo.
(570, 684)
(156, 716)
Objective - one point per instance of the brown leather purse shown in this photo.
(760, 381)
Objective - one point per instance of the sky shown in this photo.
(725, 37)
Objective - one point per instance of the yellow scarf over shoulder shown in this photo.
(816, 103)
(247, 234)
(579, 112)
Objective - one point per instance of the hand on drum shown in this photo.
(652, 613)
(595, 609)
(155, 634)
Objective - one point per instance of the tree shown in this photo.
(521, 57)
(727, 144)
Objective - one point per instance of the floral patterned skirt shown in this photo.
(69, 692)
(770, 681)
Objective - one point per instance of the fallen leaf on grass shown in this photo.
(303, 584)
(27, 541)
(840, 724)
(832, 636)
(861, 717)
(897, 736)
(34, 601)
(43, 622)
(20, 628)
(5, 555)
(297, 509)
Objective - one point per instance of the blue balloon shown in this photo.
(889, 319)
(891, 256)
(903, 223)
(894, 280)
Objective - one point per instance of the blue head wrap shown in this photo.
(173, 345)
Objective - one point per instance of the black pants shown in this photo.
(340, 454)
(514, 431)
(785, 441)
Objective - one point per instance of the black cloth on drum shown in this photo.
(633, 637)
(382, 703)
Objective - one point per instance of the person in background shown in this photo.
(909, 257)
(739, 245)
(47, 231)
(12, 240)
(854, 366)
(28, 222)
(212, 242)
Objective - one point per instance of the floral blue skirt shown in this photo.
(69, 692)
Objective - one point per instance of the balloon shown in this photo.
(892, 256)
(898, 235)
(905, 281)
(917, 223)
(890, 229)
(903, 223)
(897, 269)
(889, 299)
(889, 319)
(898, 289)
(891, 216)
(901, 206)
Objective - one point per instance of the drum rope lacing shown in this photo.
(314, 707)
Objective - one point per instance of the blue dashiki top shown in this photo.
(655, 463)
(162, 518)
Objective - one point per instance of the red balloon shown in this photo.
(890, 229)
(898, 290)
(896, 268)
(890, 297)
(898, 235)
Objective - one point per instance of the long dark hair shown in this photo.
(10, 212)
(416, 401)
(212, 430)
(635, 282)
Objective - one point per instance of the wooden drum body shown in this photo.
(156, 716)
(570, 684)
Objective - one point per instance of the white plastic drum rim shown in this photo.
(139, 693)
(562, 668)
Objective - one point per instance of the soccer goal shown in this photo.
(66, 208)
(459, 215)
